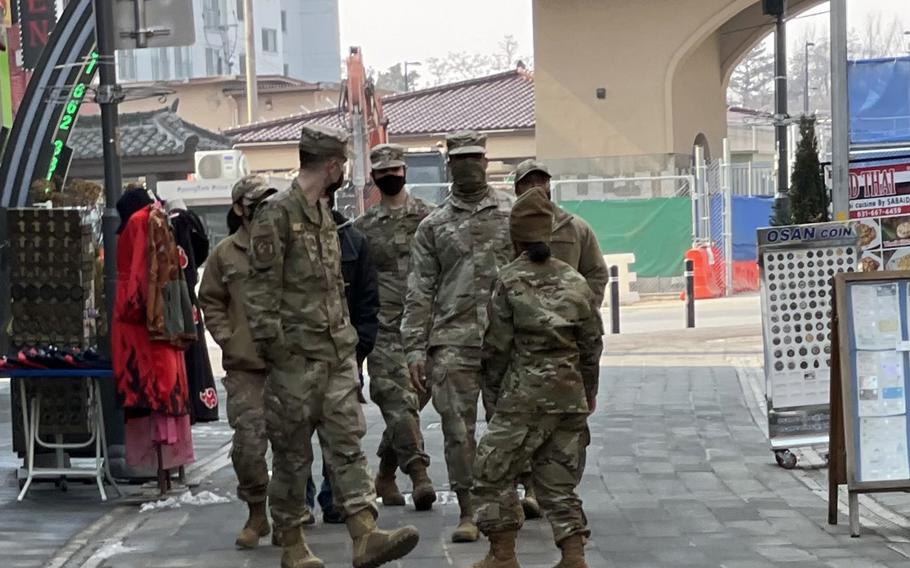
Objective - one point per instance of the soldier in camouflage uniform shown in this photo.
(221, 296)
(300, 323)
(540, 367)
(574, 243)
(457, 251)
(389, 227)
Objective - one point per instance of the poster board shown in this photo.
(869, 445)
(879, 199)
(797, 264)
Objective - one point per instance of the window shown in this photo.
(240, 9)
(243, 63)
(287, 70)
(213, 13)
(161, 64)
(126, 65)
(269, 40)
(284, 21)
(214, 64)
(183, 62)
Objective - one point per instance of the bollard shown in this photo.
(690, 293)
(614, 299)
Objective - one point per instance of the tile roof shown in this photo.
(153, 133)
(504, 101)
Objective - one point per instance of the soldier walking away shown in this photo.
(573, 242)
(390, 226)
(540, 369)
(300, 323)
(456, 253)
(362, 295)
(222, 297)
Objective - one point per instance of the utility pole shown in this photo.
(778, 9)
(806, 84)
(107, 98)
(840, 119)
(252, 90)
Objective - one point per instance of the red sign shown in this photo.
(880, 191)
(37, 19)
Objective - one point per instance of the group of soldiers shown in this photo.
(486, 297)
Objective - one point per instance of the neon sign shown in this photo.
(69, 114)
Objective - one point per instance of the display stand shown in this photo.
(869, 388)
(797, 264)
(31, 425)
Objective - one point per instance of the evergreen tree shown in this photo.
(808, 195)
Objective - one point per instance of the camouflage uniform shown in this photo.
(573, 242)
(221, 296)
(390, 233)
(457, 251)
(299, 320)
(540, 365)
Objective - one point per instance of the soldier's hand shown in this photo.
(418, 375)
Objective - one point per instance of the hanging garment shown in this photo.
(193, 245)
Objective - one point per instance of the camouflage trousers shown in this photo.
(245, 412)
(391, 390)
(303, 396)
(454, 378)
(551, 442)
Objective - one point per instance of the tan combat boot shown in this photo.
(573, 552)
(256, 527)
(374, 547)
(466, 530)
(424, 494)
(502, 551)
(295, 553)
(386, 488)
(529, 504)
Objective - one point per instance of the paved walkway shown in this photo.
(679, 474)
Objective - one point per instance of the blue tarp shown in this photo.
(879, 93)
(749, 214)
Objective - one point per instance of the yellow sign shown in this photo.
(6, 13)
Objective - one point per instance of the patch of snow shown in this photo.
(111, 549)
(200, 499)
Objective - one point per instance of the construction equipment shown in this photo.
(361, 114)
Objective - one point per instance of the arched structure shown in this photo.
(664, 64)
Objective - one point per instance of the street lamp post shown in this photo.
(412, 64)
(806, 83)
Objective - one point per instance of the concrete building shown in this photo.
(294, 38)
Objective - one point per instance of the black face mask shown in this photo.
(336, 185)
(390, 185)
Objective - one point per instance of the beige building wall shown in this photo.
(206, 105)
(283, 157)
(664, 66)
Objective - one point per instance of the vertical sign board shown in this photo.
(880, 200)
(36, 19)
(57, 146)
(874, 354)
(797, 264)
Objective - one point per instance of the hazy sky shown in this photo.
(392, 31)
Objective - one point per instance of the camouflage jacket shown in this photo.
(222, 296)
(541, 349)
(575, 244)
(295, 293)
(456, 254)
(390, 233)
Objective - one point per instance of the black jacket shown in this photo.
(360, 284)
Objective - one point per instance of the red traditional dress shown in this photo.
(150, 375)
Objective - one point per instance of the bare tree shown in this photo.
(752, 82)
(463, 65)
(392, 79)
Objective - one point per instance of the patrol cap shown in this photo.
(250, 189)
(528, 166)
(387, 156)
(321, 140)
(464, 142)
(531, 219)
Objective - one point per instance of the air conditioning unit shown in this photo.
(221, 165)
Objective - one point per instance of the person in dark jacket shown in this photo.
(361, 288)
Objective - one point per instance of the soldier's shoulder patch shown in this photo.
(263, 249)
